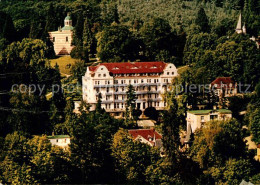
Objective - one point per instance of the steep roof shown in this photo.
(239, 23)
(132, 67)
(146, 134)
(222, 82)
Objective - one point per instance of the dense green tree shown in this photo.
(33, 161)
(202, 20)
(196, 46)
(91, 134)
(78, 70)
(170, 132)
(116, 44)
(152, 113)
(156, 36)
(132, 157)
(130, 103)
(233, 172)
(217, 142)
(89, 41)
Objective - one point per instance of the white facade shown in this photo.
(62, 39)
(197, 118)
(60, 140)
(149, 79)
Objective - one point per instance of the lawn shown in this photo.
(63, 63)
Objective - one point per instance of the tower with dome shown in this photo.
(62, 39)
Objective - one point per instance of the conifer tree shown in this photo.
(202, 21)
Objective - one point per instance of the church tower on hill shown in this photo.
(239, 28)
(62, 38)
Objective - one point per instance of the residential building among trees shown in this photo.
(224, 87)
(111, 80)
(197, 118)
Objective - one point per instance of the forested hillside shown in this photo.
(197, 36)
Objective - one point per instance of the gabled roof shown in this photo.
(223, 82)
(146, 134)
(132, 67)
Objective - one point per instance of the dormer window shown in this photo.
(115, 68)
(154, 67)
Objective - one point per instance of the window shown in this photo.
(116, 82)
(107, 89)
(154, 80)
(104, 75)
(67, 39)
(99, 75)
(116, 89)
(168, 73)
(135, 81)
(123, 89)
(101, 68)
(202, 118)
(53, 39)
(122, 81)
(116, 97)
(57, 140)
(212, 117)
(142, 81)
(172, 73)
(107, 97)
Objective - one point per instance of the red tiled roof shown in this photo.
(133, 67)
(145, 133)
(221, 82)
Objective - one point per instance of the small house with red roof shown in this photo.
(147, 136)
(224, 87)
(111, 80)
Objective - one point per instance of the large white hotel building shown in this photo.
(149, 79)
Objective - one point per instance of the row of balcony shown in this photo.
(124, 93)
(134, 85)
(137, 101)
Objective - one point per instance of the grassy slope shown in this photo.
(62, 62)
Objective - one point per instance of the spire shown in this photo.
(239, 24)
(244, 29)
